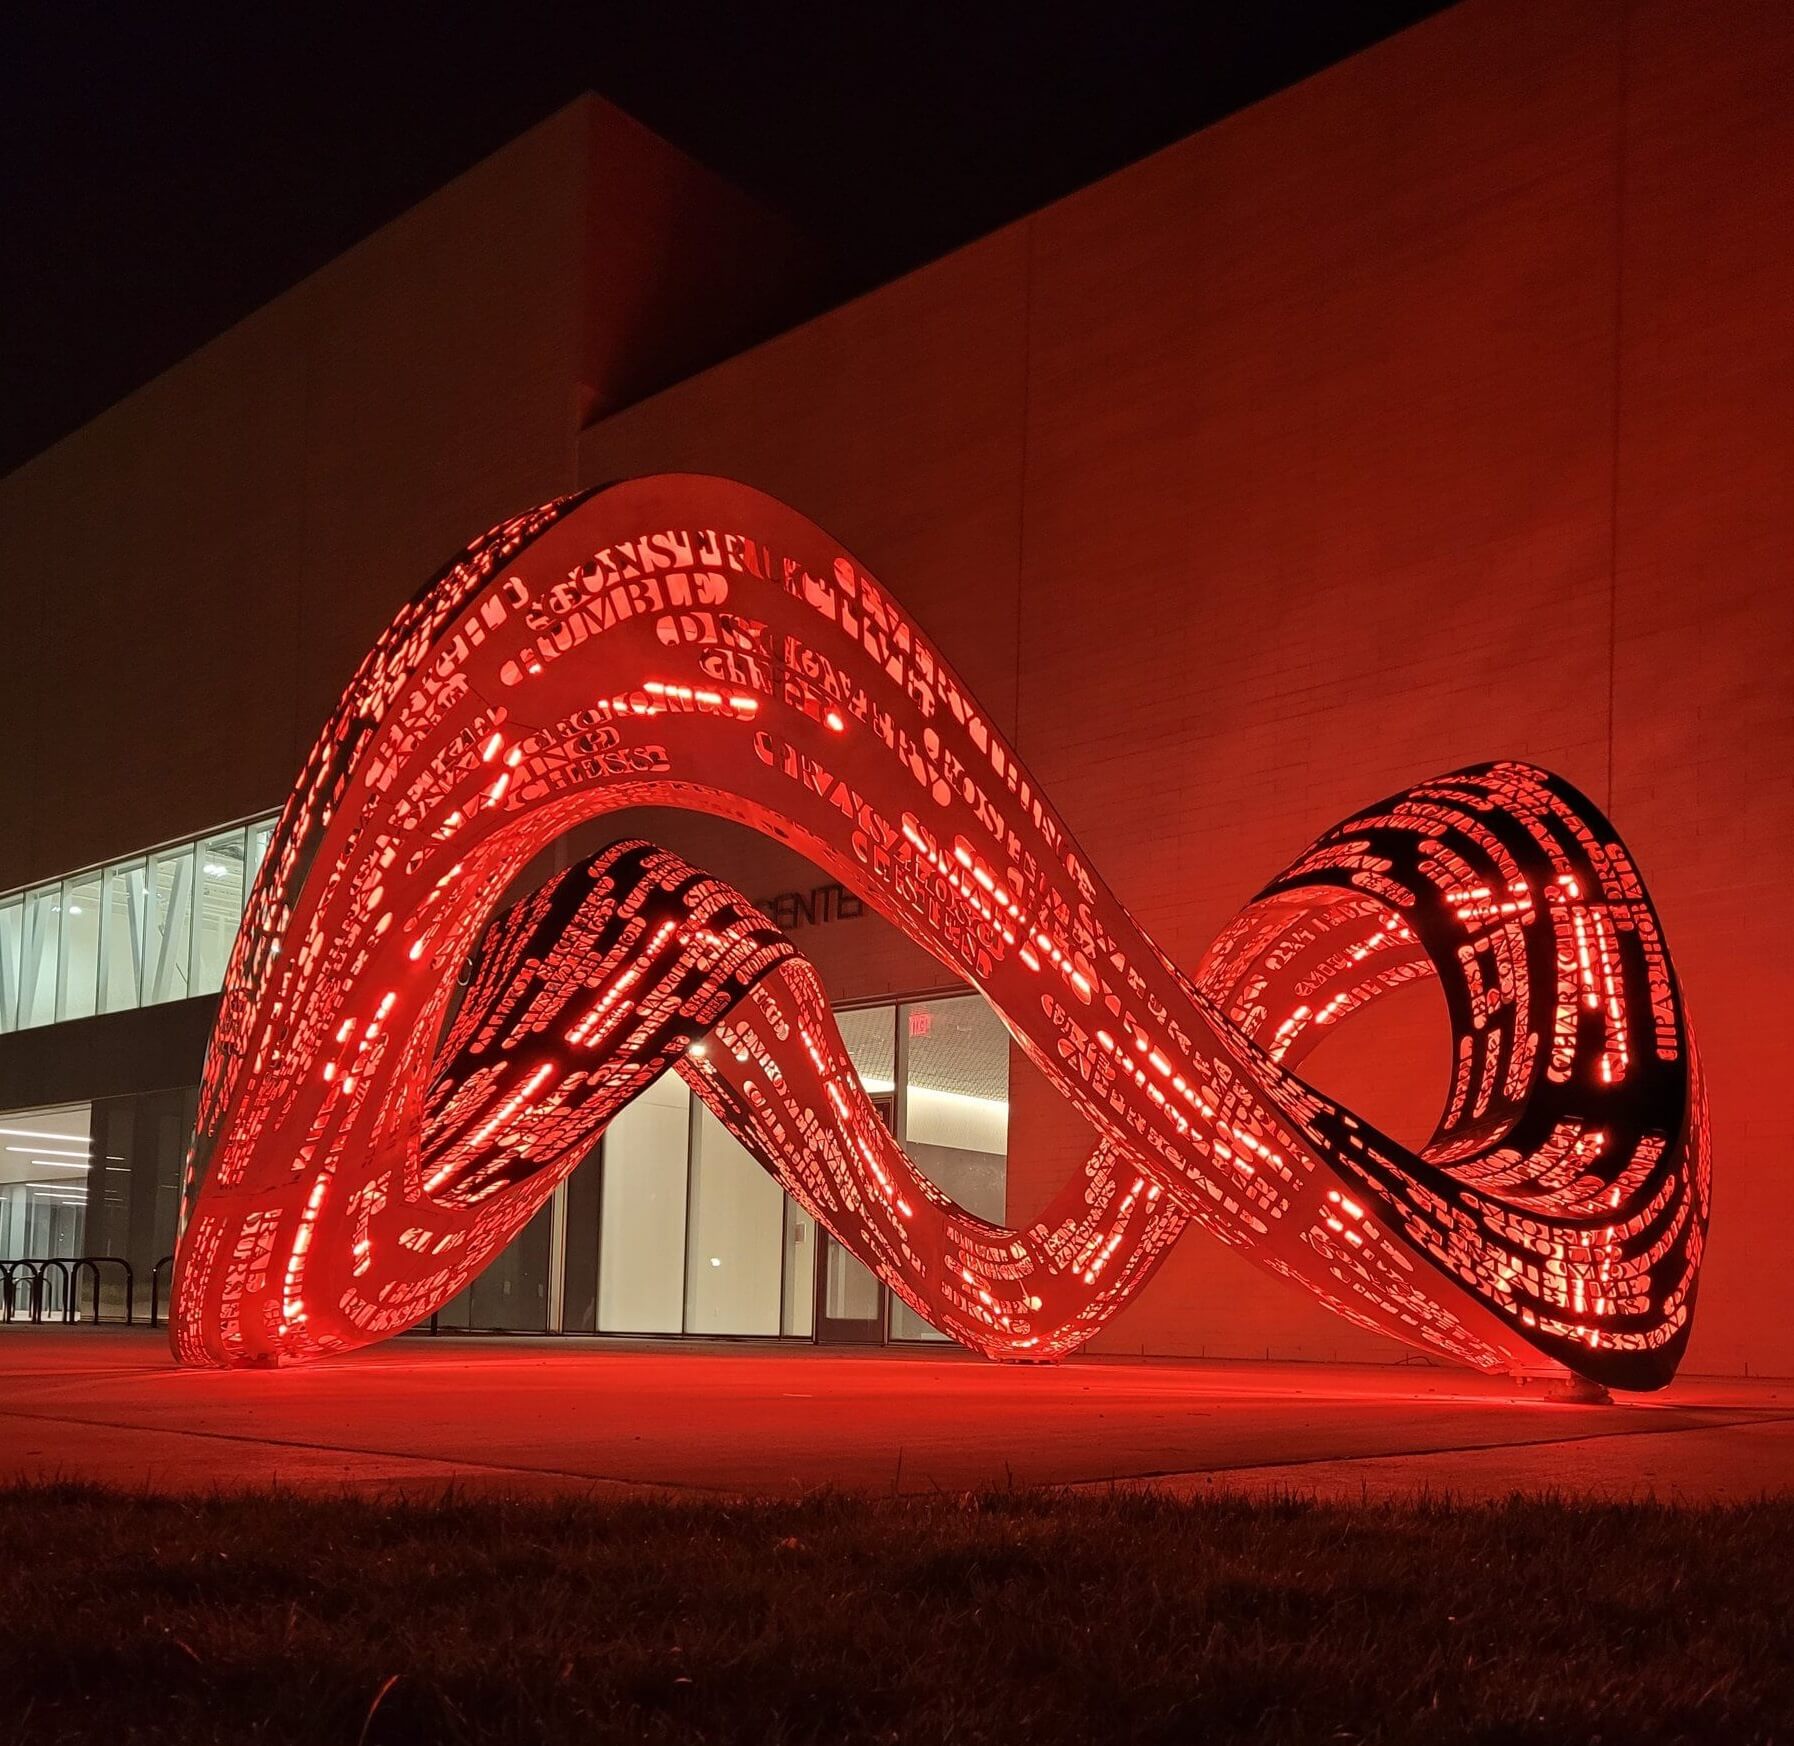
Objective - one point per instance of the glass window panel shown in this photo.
(45, 1163)
(155, 928)
(80, 957)
(641, 1226)
(12, 939)
(171, 925)
(456, 1313)
(511, 1296)
(871, 1038)
(217, 908)
(124, 918)
(114, 1134)
(955, 1113)
(957, 1093)
(799, 1313)
(38, 954)
(850, 1291)
(579, 1259)
(907, 1325)
(258, 833)
(734, 1255)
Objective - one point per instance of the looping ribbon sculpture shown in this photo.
(377, 1121)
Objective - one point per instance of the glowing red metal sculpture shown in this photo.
(686, 641)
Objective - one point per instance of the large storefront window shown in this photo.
(669, 1228)
(142, 930)
(641, 1224)
(953, 1114)
(798, 1315)
(12, 943)
(95, 1180)
(851, 1305)
(124, 918)
(134, 1190)
(511, 1296)
(693, 1237)
(734, 1252)
(219, 889)
(79, 966)
(171, 925)
(37, 977)
(45, 1159)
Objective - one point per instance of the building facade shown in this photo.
(1440, 408)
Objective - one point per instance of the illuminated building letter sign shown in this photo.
(682, 641)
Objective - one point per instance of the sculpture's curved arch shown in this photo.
(686, 641)
(633, 962)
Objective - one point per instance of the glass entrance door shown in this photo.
(850, 1300)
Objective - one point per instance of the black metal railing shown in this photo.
(156, 1273)
(35, 1298)
(93, 1264)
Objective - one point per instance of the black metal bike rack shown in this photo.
(37, 1269)
(66, 1272)
(93, 1264)
(156, 1273)
(9, 1289)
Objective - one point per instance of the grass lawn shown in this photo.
(1023, 1617)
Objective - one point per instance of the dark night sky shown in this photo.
(166, 169)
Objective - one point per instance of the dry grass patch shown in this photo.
(1028, 1617)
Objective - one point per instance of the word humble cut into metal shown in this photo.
(366, 1146)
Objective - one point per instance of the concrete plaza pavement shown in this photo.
(569, 1415)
